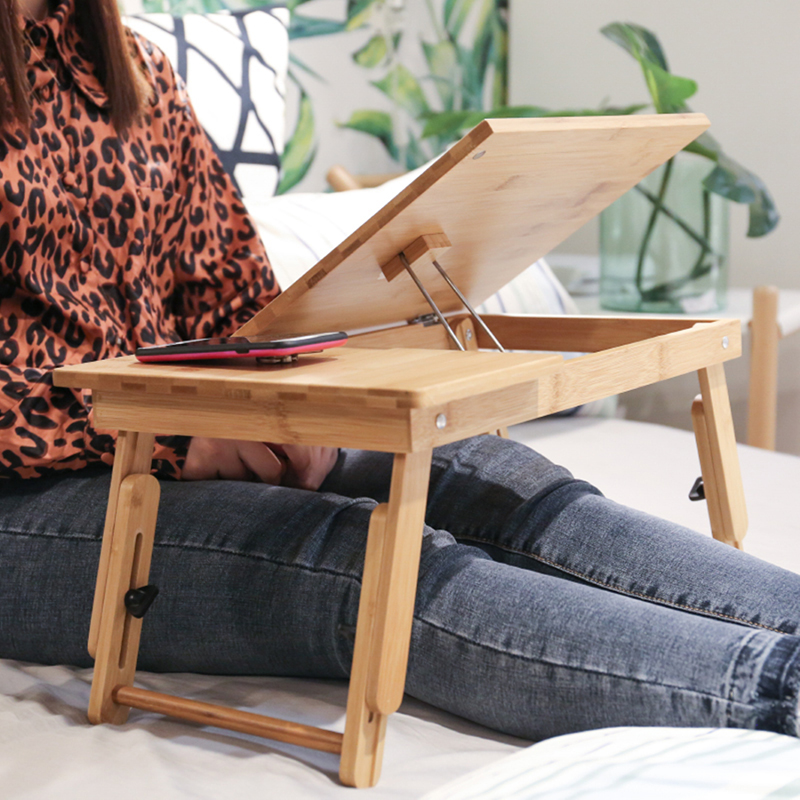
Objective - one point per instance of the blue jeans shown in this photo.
(542, 607)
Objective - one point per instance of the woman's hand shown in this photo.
(307, 466)
(293, 465)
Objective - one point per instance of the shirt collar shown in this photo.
(61, 25)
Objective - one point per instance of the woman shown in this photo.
(542, 606)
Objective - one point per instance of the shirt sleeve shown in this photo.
(221, 270)
(44, 429)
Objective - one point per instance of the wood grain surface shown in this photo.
(229, 718)
(396, 378)
(504, 196)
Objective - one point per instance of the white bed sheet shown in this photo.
(651, 763)
(48, 750)
(652, 468)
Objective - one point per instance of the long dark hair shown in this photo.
(104, 40)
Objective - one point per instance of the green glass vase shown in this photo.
(664, 244)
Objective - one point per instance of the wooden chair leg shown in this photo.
(133, 456)
(385, 615)
(719, 460)
(128, 568)
(763, 399)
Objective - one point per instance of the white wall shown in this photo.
(745, 57)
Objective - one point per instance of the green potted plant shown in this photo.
(664, 245)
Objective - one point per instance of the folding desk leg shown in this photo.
(128, 568)
(385, 615)
(133, 456)
(719, 461)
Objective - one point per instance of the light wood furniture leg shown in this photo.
(133, 456)
(707, 468)
(763, 400)
(719, 461)
(128, 568)
(365, 729)
(385, 615)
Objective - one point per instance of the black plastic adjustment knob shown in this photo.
(137, 601)
(698, 491)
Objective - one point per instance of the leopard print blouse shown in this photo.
(107, 242)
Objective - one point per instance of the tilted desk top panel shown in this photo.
(399, 378)
(504, 196)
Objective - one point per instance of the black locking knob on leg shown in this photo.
(137, 601)
(698, 490)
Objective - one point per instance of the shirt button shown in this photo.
(120, 341)
(86, 265)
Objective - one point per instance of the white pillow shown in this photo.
(534, 291)
(234, 65)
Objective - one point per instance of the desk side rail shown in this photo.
(620, 357)
(581, 334)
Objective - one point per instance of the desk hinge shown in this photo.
(425, 319)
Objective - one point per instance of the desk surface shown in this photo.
(402, 378)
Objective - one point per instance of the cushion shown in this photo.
(234, 65)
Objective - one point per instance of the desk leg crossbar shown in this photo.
(383, 633)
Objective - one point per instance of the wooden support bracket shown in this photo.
(428, 246)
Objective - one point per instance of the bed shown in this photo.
(48, 749)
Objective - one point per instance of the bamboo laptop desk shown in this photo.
(403, 386)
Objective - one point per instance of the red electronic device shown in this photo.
(240, 347)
